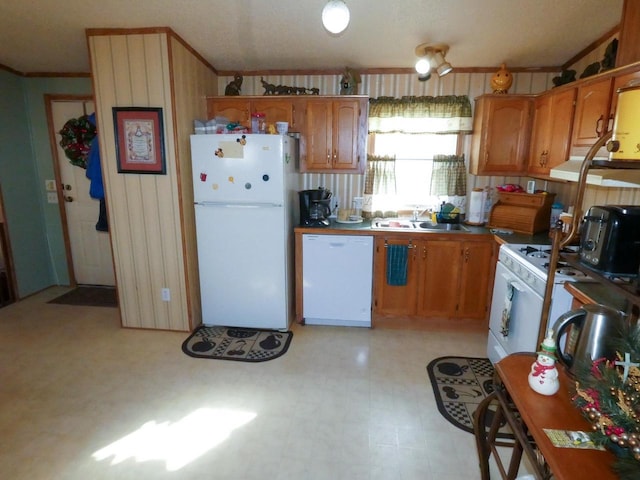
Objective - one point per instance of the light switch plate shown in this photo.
(50, 185)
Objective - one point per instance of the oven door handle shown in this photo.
(513, 282)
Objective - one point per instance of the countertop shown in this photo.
(594, 292)
(364, 228)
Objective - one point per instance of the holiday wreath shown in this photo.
(77, 134)
(608, 395)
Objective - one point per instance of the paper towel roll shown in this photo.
(476, 207)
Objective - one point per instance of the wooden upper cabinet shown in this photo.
(239, 109)
(592, 112)
(629, 41)
(551, 132)
(501, 130)
(333, 129)
(235, 109)
(334, 135)
(276, 110)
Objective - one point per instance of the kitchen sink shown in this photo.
(400, 224)
(443, 226)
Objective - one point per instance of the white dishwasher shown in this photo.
(337, 279)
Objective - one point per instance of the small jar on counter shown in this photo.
(258, 122)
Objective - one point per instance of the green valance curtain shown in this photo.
(449, 176)
(449, 114)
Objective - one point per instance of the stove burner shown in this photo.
(566, 271)
(528, 251)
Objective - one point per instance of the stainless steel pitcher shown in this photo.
(593, 327)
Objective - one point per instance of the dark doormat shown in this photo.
(459, 385)
(240, 344)
(90, 296)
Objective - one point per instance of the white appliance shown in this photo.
(518, 293)
(245, 188)
(337, 279)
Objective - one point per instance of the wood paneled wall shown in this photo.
(151, 219)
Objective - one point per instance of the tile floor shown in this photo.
(342, 403)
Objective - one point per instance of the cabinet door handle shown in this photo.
(599, 124)
(424, 252)
(610, 122)
(293, 116)
(328, 157)
(467, 254)
(335, 154)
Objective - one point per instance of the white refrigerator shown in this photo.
(245, 189)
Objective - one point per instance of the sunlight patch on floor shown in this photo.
(178, 443)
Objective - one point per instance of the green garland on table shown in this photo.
(608, 395)
(77, 134)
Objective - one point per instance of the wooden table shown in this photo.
(528, 413)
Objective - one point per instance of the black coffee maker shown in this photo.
(315, 207)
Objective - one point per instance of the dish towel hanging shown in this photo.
(506, 311)
(397, 262)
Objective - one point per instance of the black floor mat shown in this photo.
(89, 296)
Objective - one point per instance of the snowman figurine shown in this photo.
(543, 377)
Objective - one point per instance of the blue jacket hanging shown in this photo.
(94, 174)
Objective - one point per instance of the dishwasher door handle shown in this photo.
(513, 282)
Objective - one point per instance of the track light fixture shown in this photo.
(431, 59)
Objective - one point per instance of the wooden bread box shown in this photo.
(522, 212)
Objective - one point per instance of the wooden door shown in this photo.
(476, 280)
(275, 110)
(500, 142)
(234, 109)
(394, 299)
(318, 136)
(89, 255)
(592, 112)
(562, 110)
(540, 134)
(438, 278)
(345, 134)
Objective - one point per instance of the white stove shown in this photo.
(518, 296)
(531, 263)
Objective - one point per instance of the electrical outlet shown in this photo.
(52, 197)
(166, 295)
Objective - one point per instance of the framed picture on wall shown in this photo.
(139, 140)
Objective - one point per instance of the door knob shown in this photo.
(66, 186)
(68, 199)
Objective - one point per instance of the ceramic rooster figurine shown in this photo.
(543, 377)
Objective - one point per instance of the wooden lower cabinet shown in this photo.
(396, 299)
(447, 277)
(440, 263)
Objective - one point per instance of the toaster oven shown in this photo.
(610, 240)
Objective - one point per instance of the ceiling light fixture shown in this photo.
(431, 59)
(335, 16)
